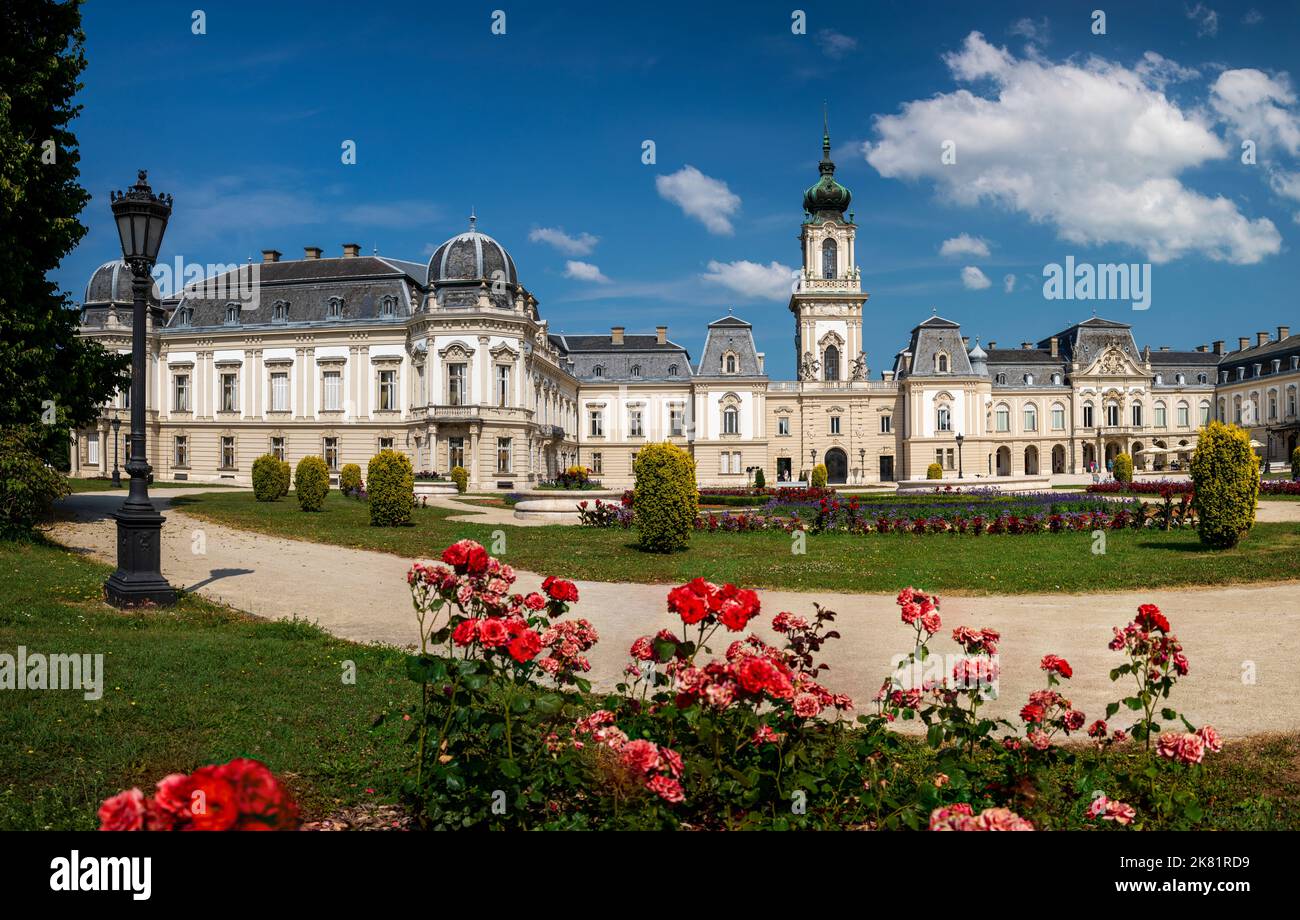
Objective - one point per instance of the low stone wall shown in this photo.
(435, 488)
(560, 507)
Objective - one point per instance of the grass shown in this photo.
(194, 684)
(100, 484)
(877, 563)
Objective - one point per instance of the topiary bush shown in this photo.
(665, 500)
(818, 478)
(267, 478)
(350, 478)
(1225, 475)
(28, 485)
(286, 477)
(760, 481)
(312, 483)
(934, 471)
(1123, 468)
(460, 476)
(1295, 463)
(390, 487)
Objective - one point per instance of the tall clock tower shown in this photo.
(827, 302)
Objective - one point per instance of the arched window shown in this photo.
(672, 370)
(1058, 416)
(1160, 420)
(1087, 415)
(1137, 415)
(1031, 417)
(1002, 417)
(831, 363)
(281, 314)
(1001, 378)
(636, 370)
(388, 306)
(598, 370)
(232, 314)
(1029, 380)
(941, 363)
(1056, 380)
(1112, 414)
(730, 420)
(335, 308)
(1202, 378)
(729, 363)
(1180, 379)
(943, 419)
(830, 259)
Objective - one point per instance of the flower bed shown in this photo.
(1279, 487)
(1143, 487)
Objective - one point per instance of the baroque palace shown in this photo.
(451, 363)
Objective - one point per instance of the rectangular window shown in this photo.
(387, 391)
(503, 384)
(943, 419)
(455, 452)
(1183, 419)
(783, 426)
(1290, 404)
(385, 443)
(1160, 416)
(456, 395)
(597, 423)
(332, 453)
(951, 456)
(1058, 418)
(92, 448)
(333, 391)
(181, 451)
(503, 455)
(1003, 417)
(596, 465)
(835, 424)
(229, 392)
(724, 462)
(277, 449)
(1205, 414)
(634, 429)
(676, 421)
(938, 456)
(886, 424)
(1112, 416)
(280, 392)
(1137, 415)
(1087, 416)
(182, 400)
(227, 452)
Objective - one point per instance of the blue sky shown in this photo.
(1123, 146)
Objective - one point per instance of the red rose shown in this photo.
(1150, 617)
(1056, 664)
(214, 804)
(534, 601)
(123, 812)
(1032, 713)
(525, 646)
(466, 631)
(492, 632)
(466, 556)
(263, 804)
(739, 609)
(557, 589)
(171, 802)
(687, 604)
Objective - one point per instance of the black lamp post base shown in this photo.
(139, 578)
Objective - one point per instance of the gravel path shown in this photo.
(362, 595)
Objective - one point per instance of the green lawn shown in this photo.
(191, 685)
(874, 563)
(98, 484)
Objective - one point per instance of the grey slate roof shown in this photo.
(1261, 354)
(729, 334)
(111, 283)
(470, 256)
(932, 337)
(655, 361)
(1084, 341)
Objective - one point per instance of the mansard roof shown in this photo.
(933, 337)
(729, 334)
(654, 360)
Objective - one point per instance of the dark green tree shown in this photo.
(49, 378)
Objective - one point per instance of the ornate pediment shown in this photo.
(1114, 362)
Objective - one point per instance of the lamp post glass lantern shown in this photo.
(141, 218)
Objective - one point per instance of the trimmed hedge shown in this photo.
(267, 478)
(934, 471)
(818, 478)
(460, 476)
(1225, 474)
(1123, 468)
(390, 489)
(350, 478)
(312, 483)
(28, 487)
(1295, 463)
(286, 477)
(665, 501)
(760, 481)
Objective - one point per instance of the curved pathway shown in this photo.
(1242, 641)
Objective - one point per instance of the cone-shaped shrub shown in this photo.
(818, 478)
(1123, 469)
(665, 500)
(312, 483)
(760, 481)
(1295, 463)
(1225, 474)
(934, 471)
(460, 476)
(350, 478)
(266, 478)
(286, 477)
(390, 489)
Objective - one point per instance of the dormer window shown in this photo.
(232, 314)
(1277, 365)
(672, 370)
(1202, 378)
(280, 311)
(1002, 378)
(1160, 379)
(1179, 379)
(334, 309)
(729, 363)
(1029, 380)
(636, 370)
(598, 370)
(1056, 380)
(388, 306)
(941, 363)
(184, 316)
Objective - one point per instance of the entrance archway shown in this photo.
(1089, 456)
(1004, 461)
(1113, 450)
(837, 466)
(1031, 461)
(1058, 458)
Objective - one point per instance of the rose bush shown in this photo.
(242, 795)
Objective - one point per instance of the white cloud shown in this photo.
(706, 199)
(752, 279)
(1089, 148)
(584, 271)
(1008, 283)
(965, 245)
(1159, 71)
(973, 279)
(835, 45)
(1206, 19)
(1035, 31)
(1253, 17)
(580, 245)
(1258, 107)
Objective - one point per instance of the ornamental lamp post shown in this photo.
(117, 475)
(141, 218)
(960, 437)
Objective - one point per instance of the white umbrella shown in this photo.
(1254, 443)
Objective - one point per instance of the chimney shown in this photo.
(1283, 332)
(270, 255)
(1164, 348)
(1025, 346)
(965, 343)
(1055, 345)
(761, 358)
(616, 335)
(661, 335)
(1202, 348)
(311, 252)
(1243, 343)
(351, 250)
(1261, 338)
(992, 344)
(1218, 346)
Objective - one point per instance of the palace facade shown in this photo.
(451, 362)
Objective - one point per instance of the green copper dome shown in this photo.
(827, 200)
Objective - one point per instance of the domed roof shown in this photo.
(977, 353)
(471, 256)
(111, 283)
(827, 200)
